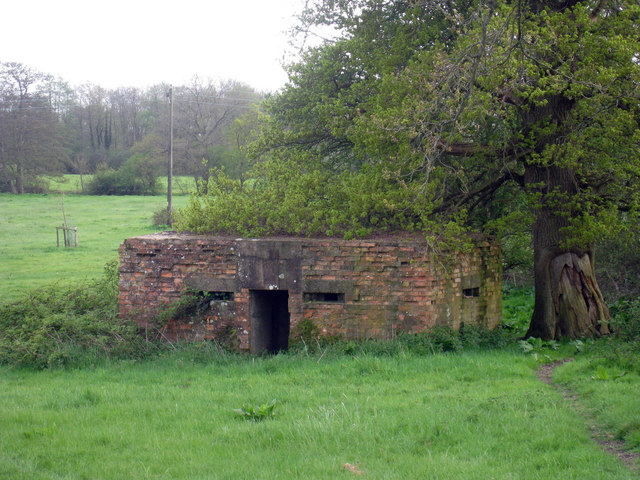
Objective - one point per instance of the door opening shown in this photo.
(269, 311)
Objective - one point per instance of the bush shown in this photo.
(67, 326)
(618, 263)
(161, 218)
(31, 184)
(287, 198)
(137, 176)
(626, 318)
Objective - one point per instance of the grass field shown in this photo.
(481, 415)
(28, 253)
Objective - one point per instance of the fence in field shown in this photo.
(69, 236)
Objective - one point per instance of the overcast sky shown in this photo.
(140, 43)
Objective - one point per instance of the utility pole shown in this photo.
(170, 165)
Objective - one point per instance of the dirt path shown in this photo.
(599, 434)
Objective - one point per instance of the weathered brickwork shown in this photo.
(351, 288)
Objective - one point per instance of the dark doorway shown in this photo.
(269, 310)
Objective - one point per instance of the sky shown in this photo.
(139, 43)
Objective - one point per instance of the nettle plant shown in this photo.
(257, 413)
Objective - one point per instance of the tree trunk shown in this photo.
(568, 301)
(20, 179)
(5, 173)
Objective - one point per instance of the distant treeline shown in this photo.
(50, 127)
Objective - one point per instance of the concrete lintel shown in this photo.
(208, 283)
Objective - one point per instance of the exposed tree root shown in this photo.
(605, 438)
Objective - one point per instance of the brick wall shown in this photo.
(351, 288)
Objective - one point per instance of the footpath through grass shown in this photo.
(28, 253)
(476, 415)
(607, 383)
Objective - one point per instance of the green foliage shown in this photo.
(618, 262)
(517, 307)
(603, 374)
(67, 326)
(537, 346)
(137, 176)
(626, 319)
(161, 218)
(307, 333)
(191, 305)
(437, 340)
(104, 182)
(291, 198)
(497, 116)
(257, 413)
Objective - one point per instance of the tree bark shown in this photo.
(5, 173)
(20, 179)
(568, 301)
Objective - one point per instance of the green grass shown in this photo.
(607, 381)
(478, 415)
(28, 254)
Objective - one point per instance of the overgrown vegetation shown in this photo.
(626, 323)
(137, 176)
(67, 326)
(75, 326)
(289, 197)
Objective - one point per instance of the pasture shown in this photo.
(477, 415)
(28, 254)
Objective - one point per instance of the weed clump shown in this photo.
(257, 413)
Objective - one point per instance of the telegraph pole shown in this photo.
(170, 163)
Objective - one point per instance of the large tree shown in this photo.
(204, 113)
(497, 111)
(31, 140)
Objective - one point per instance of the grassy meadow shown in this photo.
(28, 253)
(477, 415)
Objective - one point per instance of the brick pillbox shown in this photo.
(259, 290)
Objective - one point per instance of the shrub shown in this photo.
(137, 176)
(67, 326)
(626, 318)
(287, 198)
(161, 218)
(618, 265)
(307, 333)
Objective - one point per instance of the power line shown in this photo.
(216, 104)
(223, 97)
